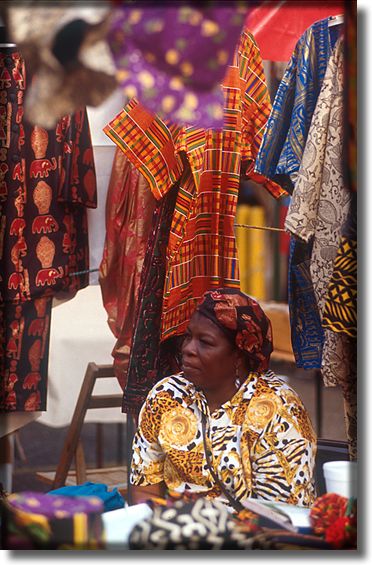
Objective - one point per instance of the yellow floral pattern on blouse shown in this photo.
(262, 441)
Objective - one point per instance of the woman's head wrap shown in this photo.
(243, 321)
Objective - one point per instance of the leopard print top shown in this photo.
(262, 441)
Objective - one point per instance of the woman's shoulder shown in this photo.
(176, 383)
(278, 384)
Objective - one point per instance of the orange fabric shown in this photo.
(129, 209)
(202, 252)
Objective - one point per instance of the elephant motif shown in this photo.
(48, 276)
(36, 327)
(17, 226)
(44, 224)
(16, 280)
(31, 380)
(42, 167)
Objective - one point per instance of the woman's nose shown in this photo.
(188, 347)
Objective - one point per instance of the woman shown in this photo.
(258, 433)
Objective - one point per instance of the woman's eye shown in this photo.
(206, 341)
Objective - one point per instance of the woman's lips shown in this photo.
(187, 368)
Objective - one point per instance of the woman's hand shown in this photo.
(139, 494)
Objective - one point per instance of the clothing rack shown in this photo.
(335, 20)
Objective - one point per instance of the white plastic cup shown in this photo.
(341, 477)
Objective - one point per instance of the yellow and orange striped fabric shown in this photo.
(201, 252)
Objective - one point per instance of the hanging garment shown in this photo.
(277, 165)
(284, 140)
(129, 210)
(145, 358)
(201, 252)
(319, 208)
(340, 309)
(47, 181)
(157, 52)
(321, 201)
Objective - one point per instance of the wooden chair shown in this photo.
(73, 448)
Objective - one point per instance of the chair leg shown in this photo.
(71, 442)
(81, 468)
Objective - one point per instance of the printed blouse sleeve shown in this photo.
(283, 448)
(148, 456)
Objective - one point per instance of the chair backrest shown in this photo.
(328, 450)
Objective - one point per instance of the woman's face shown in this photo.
(208, 358)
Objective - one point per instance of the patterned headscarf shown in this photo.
(243, 321)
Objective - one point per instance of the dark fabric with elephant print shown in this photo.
(47, 181)
(24, 347)
(44, 176)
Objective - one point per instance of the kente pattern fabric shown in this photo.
(201, 251)
(199, 524)
(307, 333)
(157, 55)
(144, 358)
(244, 322)
(33, 520)
(47, 181)
(262, 441)
(287, 128)
(129, 210)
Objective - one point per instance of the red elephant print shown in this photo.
(17, 226)
(44, 224)
(32, 380)
(16, 280)
(41, 168)
(49, 276)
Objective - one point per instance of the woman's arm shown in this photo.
(138, 494)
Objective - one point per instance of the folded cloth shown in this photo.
(194, 524)
(33, 520)
(112, 500)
